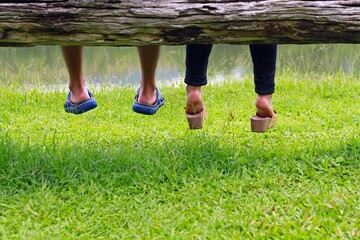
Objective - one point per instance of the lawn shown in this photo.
(114, 174)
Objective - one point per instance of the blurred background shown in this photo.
(43, 67)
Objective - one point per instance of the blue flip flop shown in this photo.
(81, 107)
(148, 109)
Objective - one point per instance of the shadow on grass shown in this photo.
(174, 162)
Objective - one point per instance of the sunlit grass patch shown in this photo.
(111, 173)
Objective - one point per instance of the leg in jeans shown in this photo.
(197, 57)
(149, 57)
(264, 61)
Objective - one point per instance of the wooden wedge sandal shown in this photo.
(260, 124)
(196, 120)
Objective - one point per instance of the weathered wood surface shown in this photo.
(172, 22)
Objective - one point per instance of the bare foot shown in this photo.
(79, 95)
(263, 106)
(148, 96)
(194, 102)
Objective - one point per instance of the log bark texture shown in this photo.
(174, 22)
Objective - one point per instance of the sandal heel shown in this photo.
(259, 124)
(195, 120)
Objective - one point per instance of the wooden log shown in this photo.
(174, 22)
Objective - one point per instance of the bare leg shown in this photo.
(149, 57)
(73, 59)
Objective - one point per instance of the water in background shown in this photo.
(43, 66)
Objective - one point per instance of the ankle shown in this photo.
(78, 95)
(77, 85)
(193, 93)
(147, 95)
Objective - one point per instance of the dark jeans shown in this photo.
(264, 62)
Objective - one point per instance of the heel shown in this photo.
(259, 124)
(196, 120)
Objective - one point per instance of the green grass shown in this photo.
(111, 174)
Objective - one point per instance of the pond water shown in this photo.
(119, 66)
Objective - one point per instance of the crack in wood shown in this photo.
(181, 35)
(210, 8)
(4, 33)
